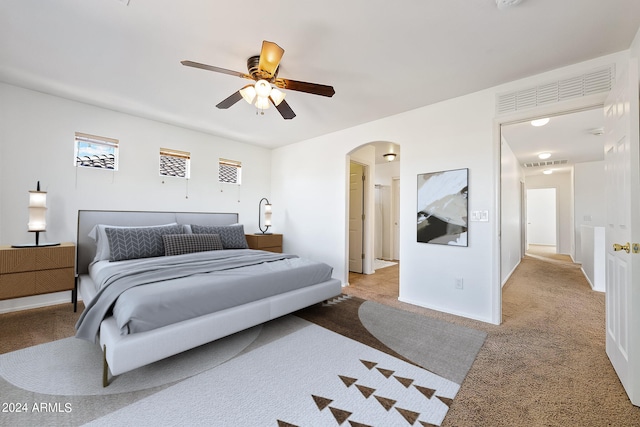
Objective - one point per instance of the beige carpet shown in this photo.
(545, 365)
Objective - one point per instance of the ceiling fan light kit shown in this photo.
(263, 70)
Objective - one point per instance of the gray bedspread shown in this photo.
(182, 287)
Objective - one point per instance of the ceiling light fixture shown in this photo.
(547, 171)
(390, 157)
(540, 122)
(503, 4)
(544, 156)
(259, 94)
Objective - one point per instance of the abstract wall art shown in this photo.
(443, 208)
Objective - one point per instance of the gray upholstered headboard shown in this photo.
(86, 247)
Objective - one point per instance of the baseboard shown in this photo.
(442, 310)
(26, 303)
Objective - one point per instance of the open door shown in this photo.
(622, 230)
(356, 217)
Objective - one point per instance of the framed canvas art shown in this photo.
(443, 208)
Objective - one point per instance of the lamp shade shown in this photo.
(37, 211)
(262, 103)
(264, 215)
(277, 96)
(263, 88)
(248, 93)
(37, 219)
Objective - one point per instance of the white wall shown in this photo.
(37, 144)
(511, 178)
(451, 143)
(457, 133)
(563, 184)
(589, 201)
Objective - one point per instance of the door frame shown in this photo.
(559, 108)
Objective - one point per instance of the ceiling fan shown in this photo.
(263, 69)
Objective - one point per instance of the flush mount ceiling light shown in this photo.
(547, 171)
(540, 122)
(390, 157)
(503, 4)
(544, 156)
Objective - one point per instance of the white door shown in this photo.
(623, 228)
(356, 217)
(395, 201)
(541, 216)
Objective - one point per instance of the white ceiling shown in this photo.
(569, 137)
(382, 57)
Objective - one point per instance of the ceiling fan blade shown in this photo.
(216, 69)
(313, 88)
(284, 109)
(235, 97)
(270, 57)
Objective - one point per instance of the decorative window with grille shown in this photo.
(96, 152)
(229, 171)
(174, 163)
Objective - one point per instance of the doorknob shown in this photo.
(619, 247)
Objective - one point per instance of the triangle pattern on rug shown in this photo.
(348, 381)
(285, 424)
(355, 424)
(447, 401)
(366, 391)
(336, 300)
(339, 414)
(428, 392)
(385, 402)
(321, 402)
(369, 365)
(404, 381)
(408, 415)
(386, 372)
(426, 424)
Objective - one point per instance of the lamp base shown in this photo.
(261, 233)
(33, 245)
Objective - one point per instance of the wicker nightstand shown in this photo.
(36, 270)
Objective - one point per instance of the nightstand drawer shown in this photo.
(56, 280)
(265, 242)
(17, 285)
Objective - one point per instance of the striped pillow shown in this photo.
(178, 244)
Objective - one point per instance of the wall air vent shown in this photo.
(597, 81)
(545, 163)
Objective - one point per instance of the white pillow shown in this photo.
(98, 234)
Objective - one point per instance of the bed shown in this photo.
(204, 295)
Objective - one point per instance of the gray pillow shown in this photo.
(178, 244)
(133, 243)
(232, 236)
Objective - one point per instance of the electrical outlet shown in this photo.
(458, 282)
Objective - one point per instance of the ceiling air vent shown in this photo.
(545, 163)
(597, 81)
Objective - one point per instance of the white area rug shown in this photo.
(321, 380)
(380, 263)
